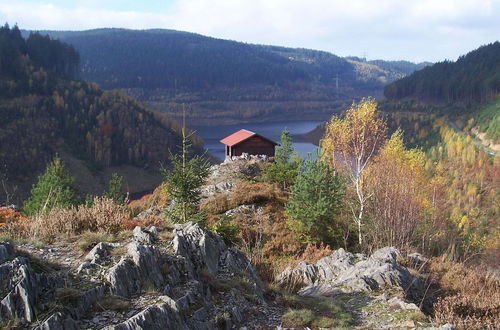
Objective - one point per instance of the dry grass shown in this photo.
(104, 215)
(217, 204)
(469, 298)
(112, 303)
(245, 193)
(313, 252)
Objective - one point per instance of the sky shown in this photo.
(415, 30)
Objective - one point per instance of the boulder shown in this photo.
(351, 273)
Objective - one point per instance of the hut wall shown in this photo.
(255, 145)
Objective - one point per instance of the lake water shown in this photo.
(213, 134)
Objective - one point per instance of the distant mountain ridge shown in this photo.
(223, 79)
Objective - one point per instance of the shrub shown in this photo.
(469, 298)
(227, 230)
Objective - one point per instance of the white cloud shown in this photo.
(390, 29)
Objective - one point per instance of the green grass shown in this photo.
(320, 312)
(88, 239)
(488, 120)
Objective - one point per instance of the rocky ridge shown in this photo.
(185, 277)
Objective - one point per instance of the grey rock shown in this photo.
(305, 274)
(87, 299)
(98, 253)
(144, 236)
(236, 315)
(235, 262)
(200, 247)
(84, 268)
(171, 303)
(398, 302)
(140, 265)
(334, 264)
(146, 258)
(446, 326)
(23, 290)
(58, 321)
(320, 290)
(6, 252)
(124, 278)
(158, 317)
(200, 314)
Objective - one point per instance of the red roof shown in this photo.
(240, 136)
(237, 137)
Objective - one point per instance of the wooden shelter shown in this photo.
(244, 141)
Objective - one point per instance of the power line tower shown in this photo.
(337, 84)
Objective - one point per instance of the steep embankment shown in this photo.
(226, 81)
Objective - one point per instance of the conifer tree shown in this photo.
(286, 162)
(55, 188)
(115, 189)
(315, 201)
(183, 181)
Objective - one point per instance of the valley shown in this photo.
(119, 210)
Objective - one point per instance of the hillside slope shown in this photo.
(473, 78)
(45, 113)
(225, 80)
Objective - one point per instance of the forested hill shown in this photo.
(473, 78)
(44, 113)
(224, 79)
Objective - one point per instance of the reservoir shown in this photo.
(213, 134)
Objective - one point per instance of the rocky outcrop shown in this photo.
(345, 272)
(164, 286)
(158, 317)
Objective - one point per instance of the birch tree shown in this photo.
(350, 143)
